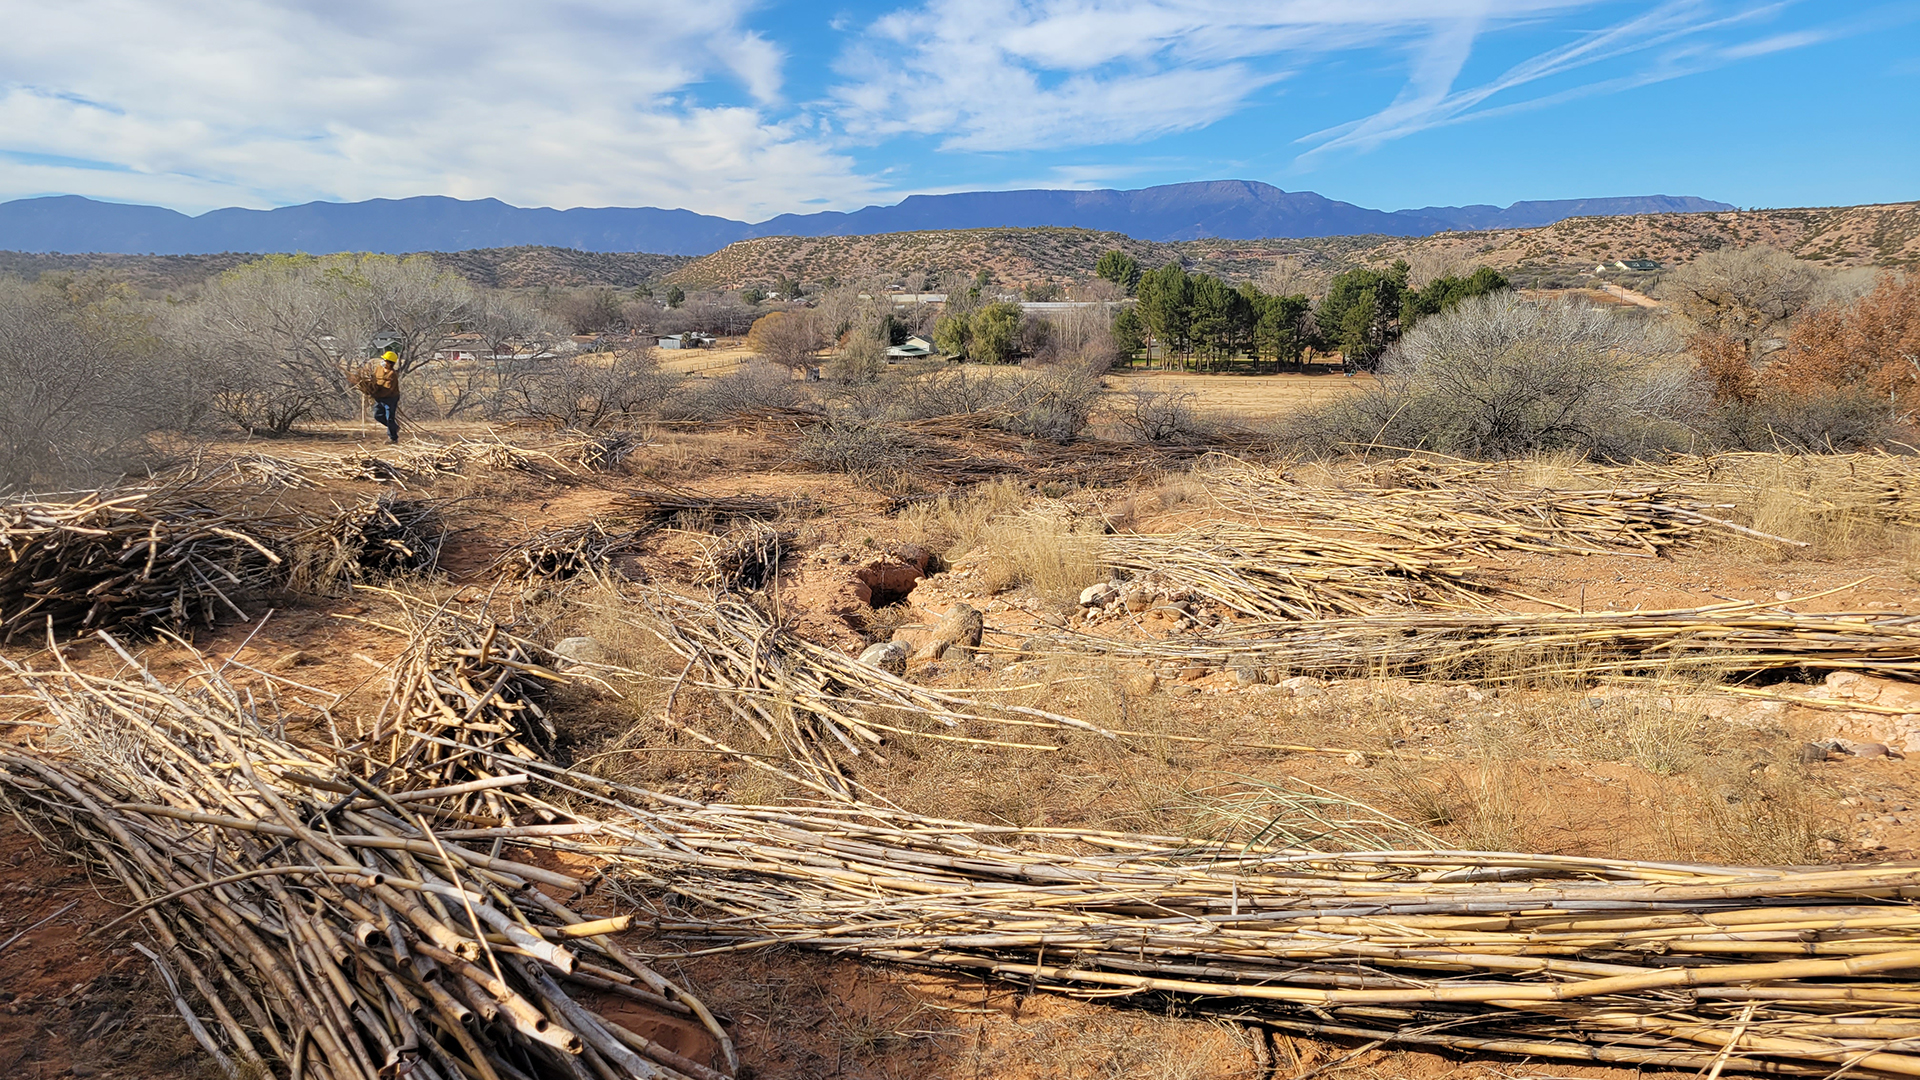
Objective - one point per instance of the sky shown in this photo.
(749, 109)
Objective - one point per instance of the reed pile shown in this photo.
(1473, 509)
(382, 536)
(816, 711)
(1276, 572)
(335, 919)
(746, 558)
(138, 558)
(1725, 639)
(309, 891)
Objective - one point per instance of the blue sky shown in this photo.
(749, 109)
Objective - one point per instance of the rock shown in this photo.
(1813, 751)
(1181, 606)
(888, 656)
(961, 627)
(1138, 600)
(1097, 595)
(1303, 686)
(1861, 749)
(1192, 672)
(1782, 594)
(1246, 675)
(1168, 612)
(579, 650)
(1181, 690)
(1357, 759)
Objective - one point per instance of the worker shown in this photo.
(381, 382)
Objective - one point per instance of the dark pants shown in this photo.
(388, 412)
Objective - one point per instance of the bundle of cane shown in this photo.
(335, 921)
(139, 558)
(1718, 639)
(821, 710)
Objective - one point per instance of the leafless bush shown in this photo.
(1162, 417)
(81, 381)
(863, 359)
(1499, 376)
(588, 391)
(1831, 422)
(862, 448)
(754, 386)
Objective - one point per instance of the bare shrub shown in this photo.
(82, 379)
(753, 386)
(861, 448)
(589, 391)
(863, 359)
(1499, 377)
(1162, 417)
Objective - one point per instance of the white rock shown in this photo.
(579, 650)
(1096, 595)
(888, 656)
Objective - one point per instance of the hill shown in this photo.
(506, 268)
(1884, 235)
(1215, 208)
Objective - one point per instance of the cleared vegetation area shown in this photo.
(1539, 697)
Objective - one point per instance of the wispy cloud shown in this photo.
(1034, 74)
(1675, 39)
(263, 102)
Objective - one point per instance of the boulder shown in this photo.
(960, 628)
(1097, 595)
(888, 656)
(578, 650)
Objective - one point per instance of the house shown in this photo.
(687, 341)
(914, 348)
(462, 347)
(1618, 265)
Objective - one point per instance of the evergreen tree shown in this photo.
(1120, 268)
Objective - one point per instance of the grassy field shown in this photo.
(1240, 397)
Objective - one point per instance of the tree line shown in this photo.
(1202, 321)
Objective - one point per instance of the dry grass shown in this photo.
(1045, 550)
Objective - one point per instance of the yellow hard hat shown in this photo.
(389, 355)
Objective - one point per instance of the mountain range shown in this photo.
(1225, 209)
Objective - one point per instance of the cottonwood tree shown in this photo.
(1744, 297)
(787, 338)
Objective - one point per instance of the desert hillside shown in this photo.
(1884, 235)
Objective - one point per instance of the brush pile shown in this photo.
(382, 536)
(567, 551)
(1720, 639)
(138, 558)
(746, 558)
(344, 922)
(665, 506)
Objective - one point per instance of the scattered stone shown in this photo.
(888, 656)
(579, 650)
(1139, 600)
(1304, 686)
(1182, 690)
(1192, 672)
(961, 627)
(1357, 759)
(1097, 595)
(1782, 594)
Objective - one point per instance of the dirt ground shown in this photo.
(1669, 769)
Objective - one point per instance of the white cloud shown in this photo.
(1034, 74)
(264, 102)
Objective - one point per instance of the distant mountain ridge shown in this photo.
(1224, 209)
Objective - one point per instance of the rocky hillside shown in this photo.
(1886, 235)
